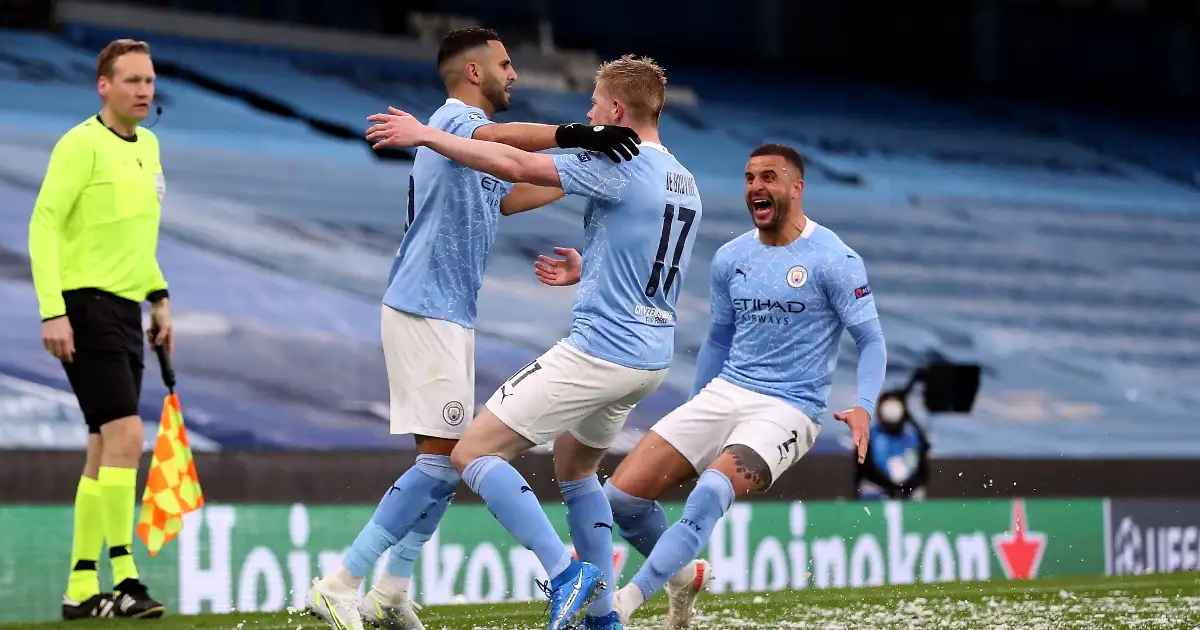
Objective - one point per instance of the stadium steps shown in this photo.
(1074, 315)
(267, 358)
(49, 87)
(264, 102)
(232, 76)
(1166, 144)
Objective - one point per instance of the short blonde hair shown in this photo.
(638, 82)
(114, 50)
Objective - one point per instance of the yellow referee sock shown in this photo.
(118, 490)
(84, 582)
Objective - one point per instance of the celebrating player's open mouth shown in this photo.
(762, 208)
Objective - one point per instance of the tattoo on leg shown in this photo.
(751, 466)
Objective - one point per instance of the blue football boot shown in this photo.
(570, 593)
(611, 621)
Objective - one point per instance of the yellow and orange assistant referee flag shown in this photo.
(172, 487)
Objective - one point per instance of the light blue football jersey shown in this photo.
(789, 306)
(451, 225)
(639, 227)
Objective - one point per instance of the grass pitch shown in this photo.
(1153, 601)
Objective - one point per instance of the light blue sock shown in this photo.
(590, 519)
(513, 503)
(683, 541)
(641, 522)
(404, 555)
(371, 542)
(431, 480)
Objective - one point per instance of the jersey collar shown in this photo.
(132, 138)
(810, 226)
(654, 145)
(454, 101)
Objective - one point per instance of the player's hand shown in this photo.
(395, 129)
(559, 272)
(859, 422)
(160, 332)
(59, 338)
(610, 140)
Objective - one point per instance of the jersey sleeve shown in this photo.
(463, 121)
(158, 283)
(848, 290)
(720, 303)
(66, 176)
(589, 174)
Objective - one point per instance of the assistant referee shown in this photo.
(92, 242)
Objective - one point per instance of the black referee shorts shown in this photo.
(106, 372)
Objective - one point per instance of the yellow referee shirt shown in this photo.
(95, 222)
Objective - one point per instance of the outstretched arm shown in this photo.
(524, 197)
(612, 140)
(523, 136)
(498, 160)
(616, 142)
(581, 173)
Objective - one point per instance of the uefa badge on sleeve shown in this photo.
(453, 413)
(797, 276)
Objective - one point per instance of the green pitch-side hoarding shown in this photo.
(262, 558)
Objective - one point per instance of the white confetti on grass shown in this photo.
(1149, 602)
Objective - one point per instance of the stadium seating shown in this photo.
(1167, 145)
(1059, 268)
(53, 81)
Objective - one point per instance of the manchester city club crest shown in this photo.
(452, 413)
(797, 276)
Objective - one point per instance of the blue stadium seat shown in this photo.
(1060, 268)
(49, 78)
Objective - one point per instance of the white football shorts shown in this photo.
(565, 390)
(431, 374)
(724, 414)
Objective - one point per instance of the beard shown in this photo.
(494, 92)
(776, 215)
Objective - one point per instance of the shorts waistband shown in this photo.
(100, 293)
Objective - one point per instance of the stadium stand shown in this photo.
(1060, 268)
(1166, 145)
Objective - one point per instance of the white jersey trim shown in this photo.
(654, 145)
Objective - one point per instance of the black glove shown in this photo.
(610, 140)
